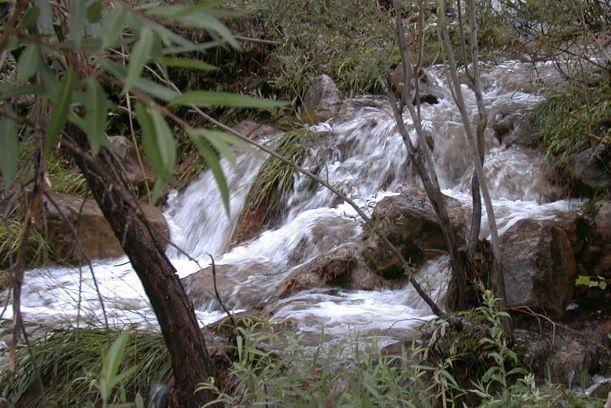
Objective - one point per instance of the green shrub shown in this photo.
(275, 369)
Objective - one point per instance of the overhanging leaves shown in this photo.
(96, 107)
(139, 56)
(226, 99)
(9, 150)
(59, 112)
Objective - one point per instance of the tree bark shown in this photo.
(191, 362)
(422, 159)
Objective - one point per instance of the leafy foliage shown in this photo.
(88, 39)
(275, 369)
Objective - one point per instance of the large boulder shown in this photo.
(539, 266)
(341, 267)
(409, 222)
(95, 239)
(589, 170)
(322, 100)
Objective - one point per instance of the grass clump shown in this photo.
(70, 362)
(571, 122)
(575, 120)
(38, 250)
(265, 202)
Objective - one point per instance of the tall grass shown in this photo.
(38, 250)
(70, 363)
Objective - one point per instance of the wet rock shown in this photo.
(322, 100)
(234, 282)
(590, 236)
(409, 222)
(136, 174)
(430, 92)
(96, 239)
(514, 129)
(589, 170)
(256, 131)
(341, 267)
(563, 358)
(539, 266)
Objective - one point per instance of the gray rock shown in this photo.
(409, 222)
(539, 266)
(589, 170)
(563, 357)
(341, 267)
(322, 100)
(235, 288)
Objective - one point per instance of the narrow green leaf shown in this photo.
(50, 81)
(198, 18)
(139, 56)
(94, 11)
(219, 145)
(77, 21)
(142, 84)
(139, 401)
(111, 362)
(157, 190)
(207, 98)
(9, 90)
(112, 26)
(9, 150)
(191, 48)
(45, 17)
(212, 160)
(28, 62)
(165, 141)
(59, 113)
(187, 63)
(96, 107)
(149, 142)
(29, 19)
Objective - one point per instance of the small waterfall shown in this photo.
(360, 153)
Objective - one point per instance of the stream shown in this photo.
(358, 151)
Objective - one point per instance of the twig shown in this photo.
(218, 296)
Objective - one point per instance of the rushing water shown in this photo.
(360, 153)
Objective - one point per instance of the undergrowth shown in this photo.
(350, 40)
(273, 368)
(70, 364)
(276, 370)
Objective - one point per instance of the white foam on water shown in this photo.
(361, 154)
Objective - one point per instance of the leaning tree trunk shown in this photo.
(191, 363)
